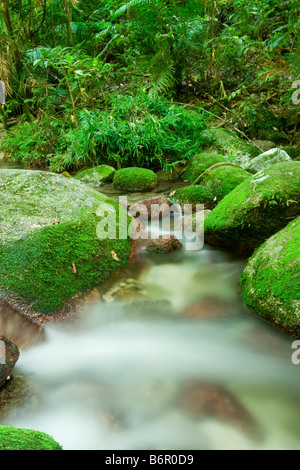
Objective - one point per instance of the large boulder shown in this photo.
(270, 282)
(134, 179)
(12, 438)
(9, 354)
(97, 176)
(255, 209)
(268, 158)
(50, 246)
(232, 147)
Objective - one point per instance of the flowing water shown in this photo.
(164, 356)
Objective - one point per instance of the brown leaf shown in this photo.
(74, 268)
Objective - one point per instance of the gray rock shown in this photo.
(267, 159)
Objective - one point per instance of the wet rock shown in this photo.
(126, 290)
(164, 244)
(208, 308)
(270, 282)
(266, 159)
(195, 222)
(256, 209)
(18, 328)
(16, 393)
(206, 400)
(9, 354)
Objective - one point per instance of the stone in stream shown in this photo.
(271, 280)
(255, 209)
(209, 308)
(9, 354)
(164, 244)
(52, 244)
(134, 179)
(205, 400)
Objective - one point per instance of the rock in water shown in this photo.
(164, 244)
(134, 179)
(255, 209)
(50, 248)
(271, 280)
(9, 354)
(97, 176)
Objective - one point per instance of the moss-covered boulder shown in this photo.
(134, 179)
(167, 175)
(255, 209)
(228, 144)
(213, 185)
(9, 354)
(12, 438)
(270, 282)
(200, 163)
(96, 176)
(268, 158)
(50, 246)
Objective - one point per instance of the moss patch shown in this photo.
(134, 179)
(26, 439)
(199, 163)
(255, 209)
(270, 282)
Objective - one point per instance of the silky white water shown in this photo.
(117, 375)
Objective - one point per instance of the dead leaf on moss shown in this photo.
(115, 257)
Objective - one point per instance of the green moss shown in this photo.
(40, 267)
(134, 179)
(194, 195)
(26, 439)
(255, 209)
(271, 279)
(199, 163)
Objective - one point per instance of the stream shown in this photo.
(163, 356)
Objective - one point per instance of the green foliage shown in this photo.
(12, 438)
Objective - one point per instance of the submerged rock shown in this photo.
(164, 244)
(267, 159)
(12, 438)
(96, 176)
(51, 247)
(255, 209)
(9, 354)
(270, 282)
(134, 179)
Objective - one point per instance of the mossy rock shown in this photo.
(214, 184)
(232, 147)
(194, 195)
(96, 176)
(200, 163)
(12, 438)
(255, 209)
(271, 279)
(168, 175)
(134, 179)
(49, 246)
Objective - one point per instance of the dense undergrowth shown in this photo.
(135, 83)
